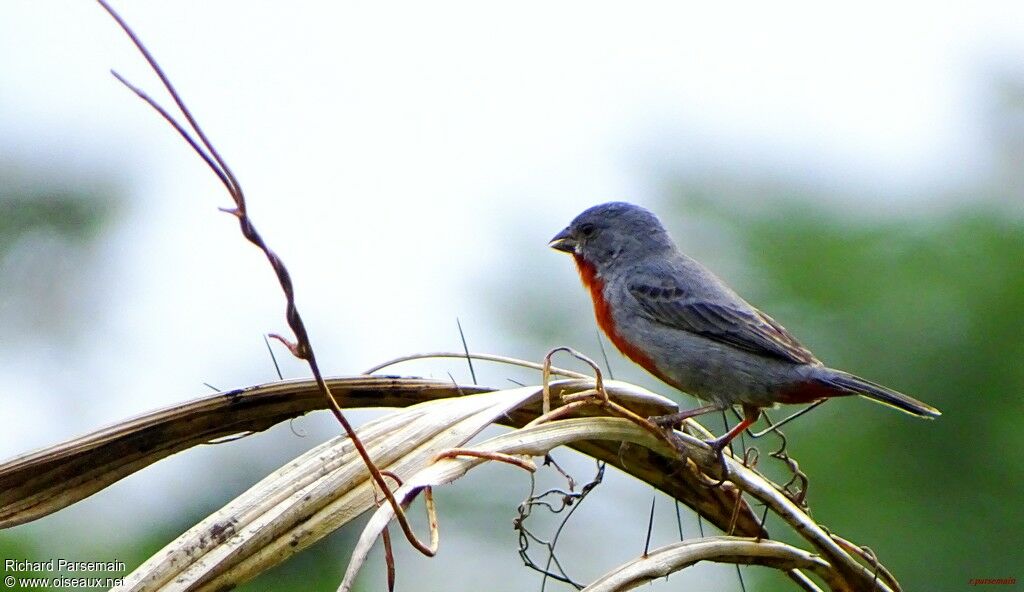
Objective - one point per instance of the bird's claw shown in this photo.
(670, 421)
(718, 446)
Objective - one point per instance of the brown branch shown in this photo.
(597, 396)
(39, 483)
(302, 348)
(522, 463)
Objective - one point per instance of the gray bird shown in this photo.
(676, 319)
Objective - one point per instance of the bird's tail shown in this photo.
(858, 386)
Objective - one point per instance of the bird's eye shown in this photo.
(587, 229)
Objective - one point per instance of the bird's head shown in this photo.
(613, 232)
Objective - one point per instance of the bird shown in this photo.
(675, 318)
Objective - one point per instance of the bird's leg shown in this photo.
(674, 419)
(750, 415)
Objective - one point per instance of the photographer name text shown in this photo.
(53, 565)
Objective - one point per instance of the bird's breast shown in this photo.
(595, 284)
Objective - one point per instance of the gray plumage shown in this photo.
(668, 311)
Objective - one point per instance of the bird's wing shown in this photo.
(740, 325)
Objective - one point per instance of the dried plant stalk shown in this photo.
(314, 495)
(86, 464)
(41, 482)
(841, 571)
(663, 561)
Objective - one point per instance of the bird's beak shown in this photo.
(563, 241)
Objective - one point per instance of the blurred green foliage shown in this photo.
(50, 232)
(75, 217)
(932, 305)
(48, 235)
(35, 200)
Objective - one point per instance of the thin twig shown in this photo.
(679, 520)
(598, 395)
(775, 426)
(604, 354)
(302, 348)
(465, 348)
(569, 500)
(273, 358)
(487, 357)
(522, 463)
(650, 526)
(549, 461)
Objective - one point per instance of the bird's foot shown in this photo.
(670, 421)
(675, 420)
(718, 445)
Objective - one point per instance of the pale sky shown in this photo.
(392, 153)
